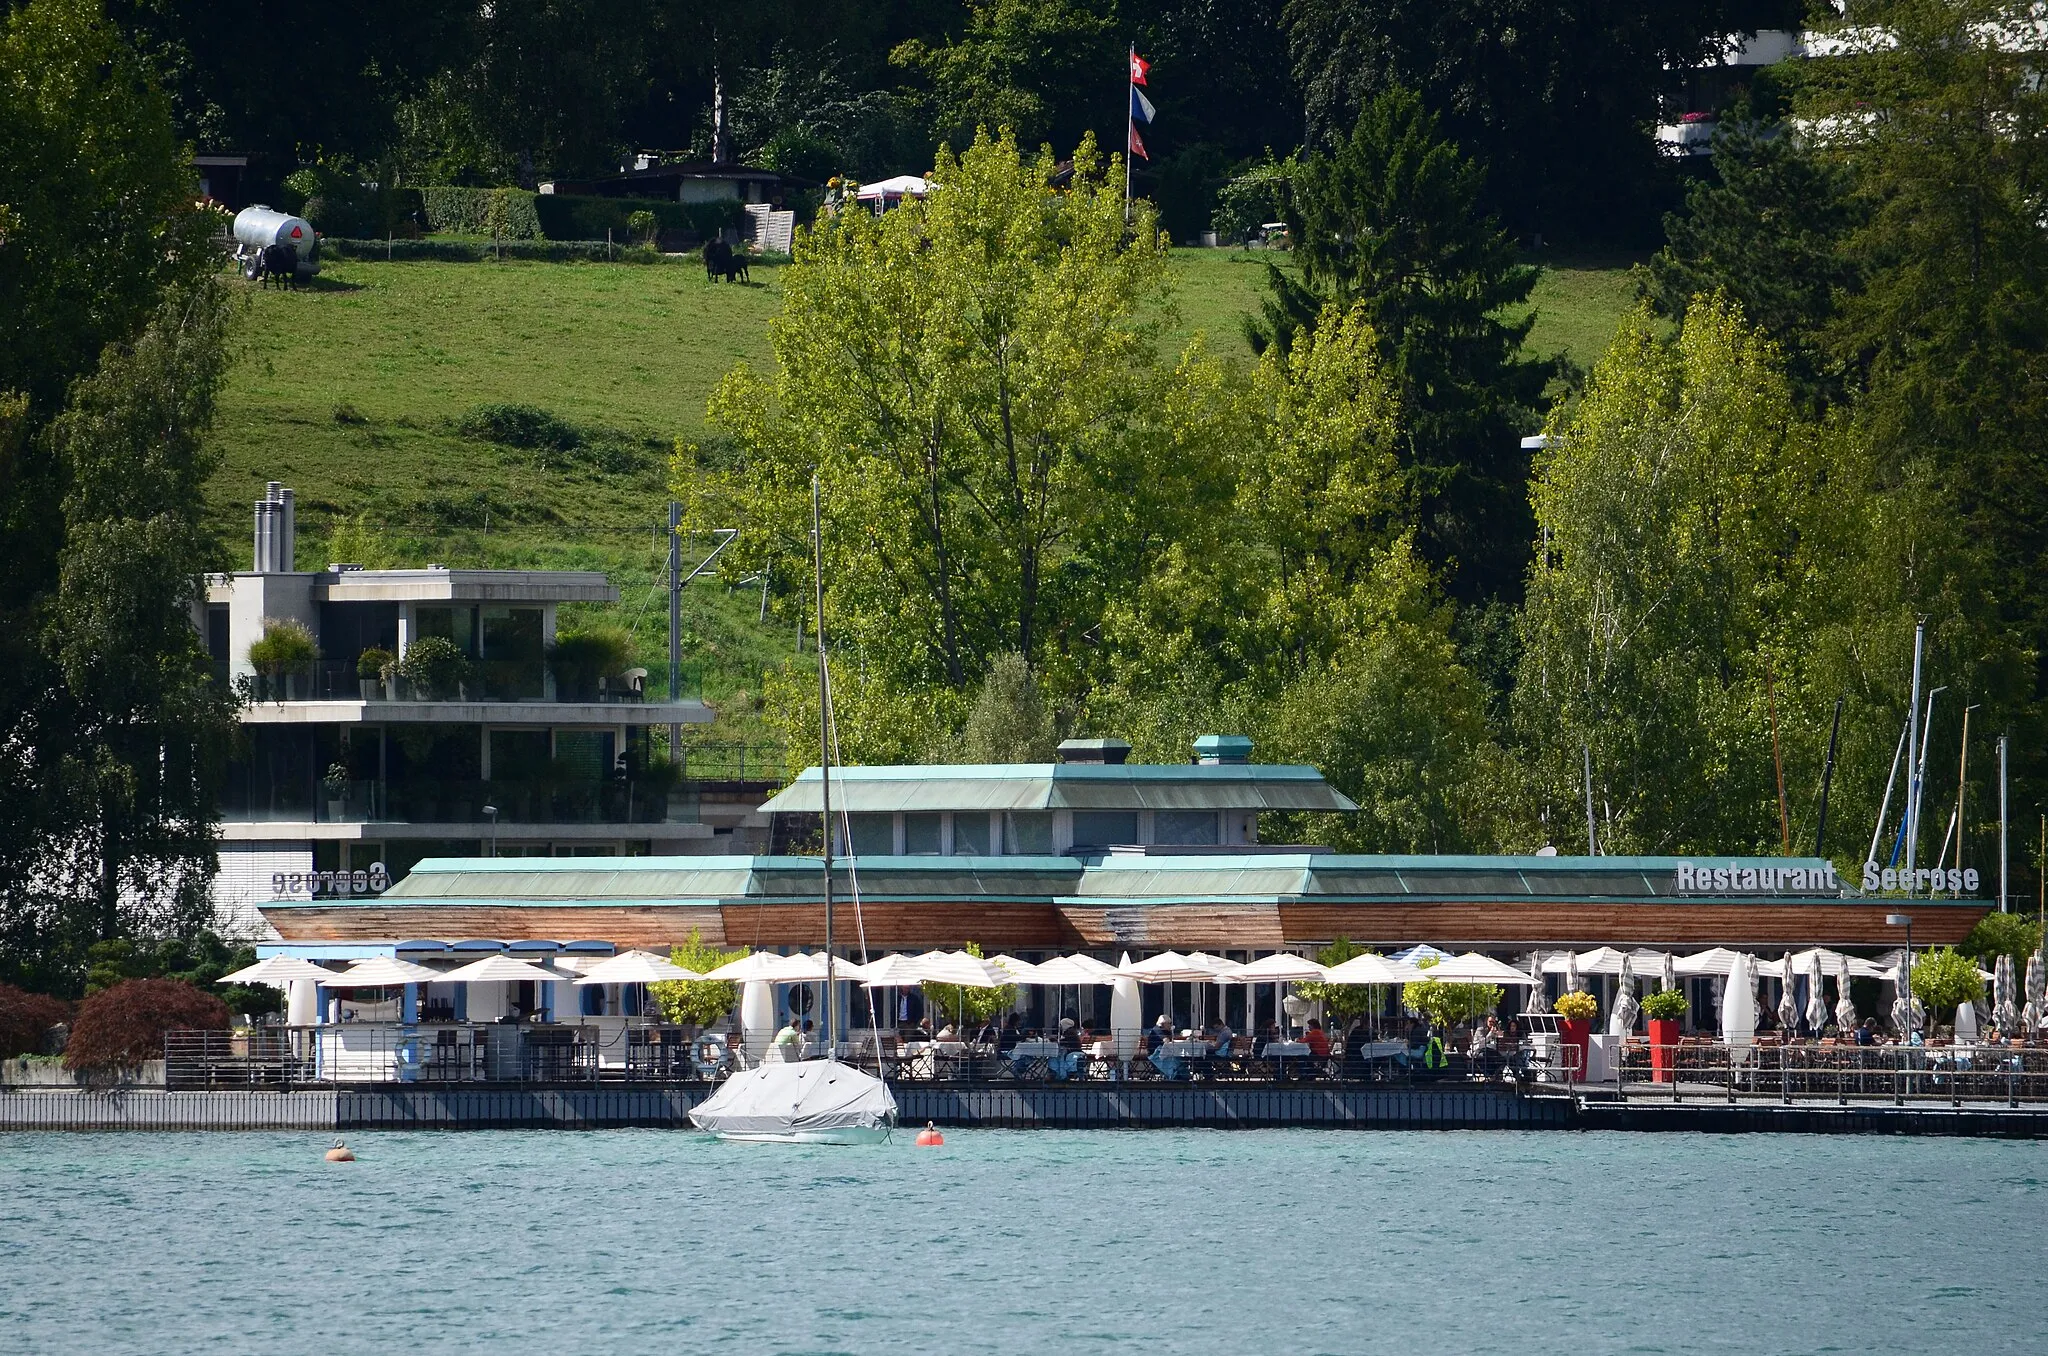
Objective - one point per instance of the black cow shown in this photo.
(279, 262)
(717, 260)
(736, 267)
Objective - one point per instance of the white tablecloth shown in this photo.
(1380, 1050)
(1034, 1049)
(1285, 1049)
(1187, 1049)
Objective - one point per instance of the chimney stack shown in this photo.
(276, 530)
(1213, 749)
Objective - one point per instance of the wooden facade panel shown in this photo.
(926, 924)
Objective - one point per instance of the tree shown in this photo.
(122, 1027)
(1009, 721)
(111, 349)
(2003, 934)
(1557, 96)
(1341, 1001)
(1448, 1004)
(1392, 221)
(1945, 979)
(697, 1002)
(26, 1018)
(1000, 450)
(1035, 67)
(1772, 236)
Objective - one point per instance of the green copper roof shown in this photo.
(979, 787)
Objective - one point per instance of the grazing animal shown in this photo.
(280, 262)
(717, 261)
(736, 267)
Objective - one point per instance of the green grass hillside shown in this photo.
(371, 393)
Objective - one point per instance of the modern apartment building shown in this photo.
(347, 773)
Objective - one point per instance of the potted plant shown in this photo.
(335, 783)
(283, 658)
(1576, 1011)
(372, 667)
(582, 660)
(1664, 1009)
(435, 667)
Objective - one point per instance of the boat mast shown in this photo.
(824, 759)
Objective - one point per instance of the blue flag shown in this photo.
(1141, 107)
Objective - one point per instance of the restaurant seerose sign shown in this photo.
(1737, 879)
(373, 881)
(1920, 880)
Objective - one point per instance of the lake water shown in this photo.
(1289, 1242)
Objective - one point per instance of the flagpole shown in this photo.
(1130, 128)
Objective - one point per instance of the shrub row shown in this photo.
(471, 251)
(473, 211)
(568, 217)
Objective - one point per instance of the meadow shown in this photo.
(368, 394)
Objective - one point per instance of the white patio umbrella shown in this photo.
(1601, 960)
(1421, 952)
(502, 969)
(1473, 968)
(1171, 967)
(384, 972)
(1126, 1010)
(2036, 1014)
(1572, 982)
(2006, 1011)
(635, 967)
(279, 971)
(1370, 969)
(1279, 969)
(1719, 961)
(1906, 1010)
(1622, 1020)
(1539, 996)
(1667, 973)
(1846, 1017)
(1065, 971)
(769, 968)
(1816, 1004)
(1788, 1005)
(1738, 1007)
(935, 967)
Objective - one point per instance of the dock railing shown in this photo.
(1844, 1075)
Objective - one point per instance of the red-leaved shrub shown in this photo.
(118, 1028)
(25, 1018)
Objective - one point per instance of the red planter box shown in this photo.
(1577, 1032)
(1663, 1049)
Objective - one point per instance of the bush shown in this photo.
(697, 1002)
(642, 225)
(474, 252)
(1665, 1005)
(579, 658)
(26, 1018)
(2003, 934)
(286, 646)
(1577, 1006)
(435, 665)
(125, 1025)
(372, 662)
(566, 216)
(1945, 978)
(475, 211)
(522, 426)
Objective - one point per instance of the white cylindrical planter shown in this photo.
(757, 1018)
(302, 1002)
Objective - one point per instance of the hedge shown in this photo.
(577, 217)
(483, 251)
(467, 211)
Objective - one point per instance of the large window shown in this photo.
(873, 835)
(921, 835)
(1191, 828)
(512, 653)
(1027, 832)
(450, 623)
(1100, 828)
(970, 835)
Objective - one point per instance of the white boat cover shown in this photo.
(819, 1094)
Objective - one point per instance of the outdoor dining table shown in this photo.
(1171, 1058)
(1024, 1054)
(1284, 1049)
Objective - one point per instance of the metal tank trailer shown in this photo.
(258, 228)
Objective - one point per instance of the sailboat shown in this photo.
(818, 1101)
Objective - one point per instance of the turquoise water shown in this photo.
(1290, 1242)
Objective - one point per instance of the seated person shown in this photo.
(1866, 1032)
(1220, 1036)
(1160, 1034)
(1070, 1036)
(1013, 1031)
(1485, 1039)
(989, 1034)
(946, 1033)
(789, 1038)
(1318, 1043)
(924, 1035)
(1418, 1041)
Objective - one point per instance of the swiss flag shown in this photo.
(1138, 143)
(1138, 68)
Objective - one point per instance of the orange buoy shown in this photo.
(341, 1153)
(929, 1137)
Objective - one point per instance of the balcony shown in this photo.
(502, 680)
(462, 801)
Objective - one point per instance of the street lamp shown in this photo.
(492, 812)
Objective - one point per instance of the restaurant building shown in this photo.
(1093, 853)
